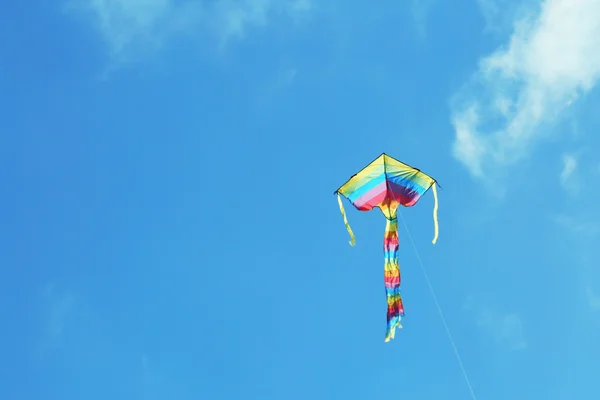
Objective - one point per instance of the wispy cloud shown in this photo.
(569, 166)
(585, 226)
(145, 368)
(506, 328)
(420, 11)
(56, 308)
(499, 15)
(552, 57)
(272, 89)
(593, 300)
(491, 10)
(567, 179)
(581, 231)
(131, 28)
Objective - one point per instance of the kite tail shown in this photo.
(353, 239)
(395, 309)
(435, 210)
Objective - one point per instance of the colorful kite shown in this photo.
(387, 183)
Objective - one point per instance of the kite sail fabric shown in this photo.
(387, 183)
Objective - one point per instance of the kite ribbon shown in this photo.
(435, 210)
(392, 278)
(353, 241)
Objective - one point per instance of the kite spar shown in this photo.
(387, 183)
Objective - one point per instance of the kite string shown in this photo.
(438, 307)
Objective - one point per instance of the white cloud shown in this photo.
(56, 307)
(420, 10)
(499, 15)
(593, 300)
(505, 328)
(551, 58)
(281, 80)
(492, 13)
(566, 174)
(134, 27)
(585, 226)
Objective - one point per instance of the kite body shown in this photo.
(387, 183)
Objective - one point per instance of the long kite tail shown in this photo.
(352, 238)
(435, 212)
(395, 310)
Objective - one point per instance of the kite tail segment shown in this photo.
(353, 239)
(395, 310)
(435, 210)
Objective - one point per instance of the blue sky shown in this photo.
(169, 229)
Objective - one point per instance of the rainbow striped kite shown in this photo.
(387, 183)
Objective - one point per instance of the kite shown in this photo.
(387, 183)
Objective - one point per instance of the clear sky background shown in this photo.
(169, 229)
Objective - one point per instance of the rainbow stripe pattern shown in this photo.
(387, 183)
(391, 276)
